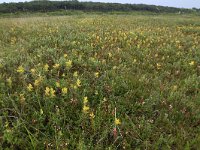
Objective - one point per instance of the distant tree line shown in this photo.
(47, 6)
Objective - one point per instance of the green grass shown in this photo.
(141, 69)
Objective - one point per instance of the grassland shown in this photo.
(100, 82)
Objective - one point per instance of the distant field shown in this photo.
(100, 82)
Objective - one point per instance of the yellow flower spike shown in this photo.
(63, 75)
(22, 98)
(52, 92)
(20, 69)
(65, 55)
(96, 92)
(96, 74)
(38, 81)
(46, 67)
(92, 115)
(158, 66)
(85, 109)
(56, 66)
(64, 90)
(110, 54)
(78, 82)
(75, 74)
(175, 87)
(92, 59)
(191, 63)
(57, 84)
(103, 61)
(47, 91)
(33, 71)
(74, 42)
(9, 81)
(29, 87)
(75, 87)
(69, 64)
(41, 112)
(114, 67)
(117, 121)
(85, 100)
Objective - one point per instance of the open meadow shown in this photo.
(100, 82)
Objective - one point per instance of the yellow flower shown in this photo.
(74, 42)
(22, 98)
(92, 115)
(78, 82)
(175, 87)
(103, 61)
(114, 67)
(47, 91)
(85, 100)
(96, 74)
(64, 90)
(75, 87)
(75, 74)
(92, 59)
(110, 54)
(9, 80)
(46, 67)
(85, 108)
(30, 87)
(96, 92)
(57, 84)
(20, 69)
(117, 121)
(65, 55)
(33, 71)
(63, 75)
(158, 66)
(38, 81)
(52, 92)
(56, 66)
(69, 64)
(191, 63)
(41, 111)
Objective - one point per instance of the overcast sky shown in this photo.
(173, 3)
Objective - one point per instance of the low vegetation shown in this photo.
(100, 82)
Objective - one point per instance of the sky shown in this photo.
(172, 3)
